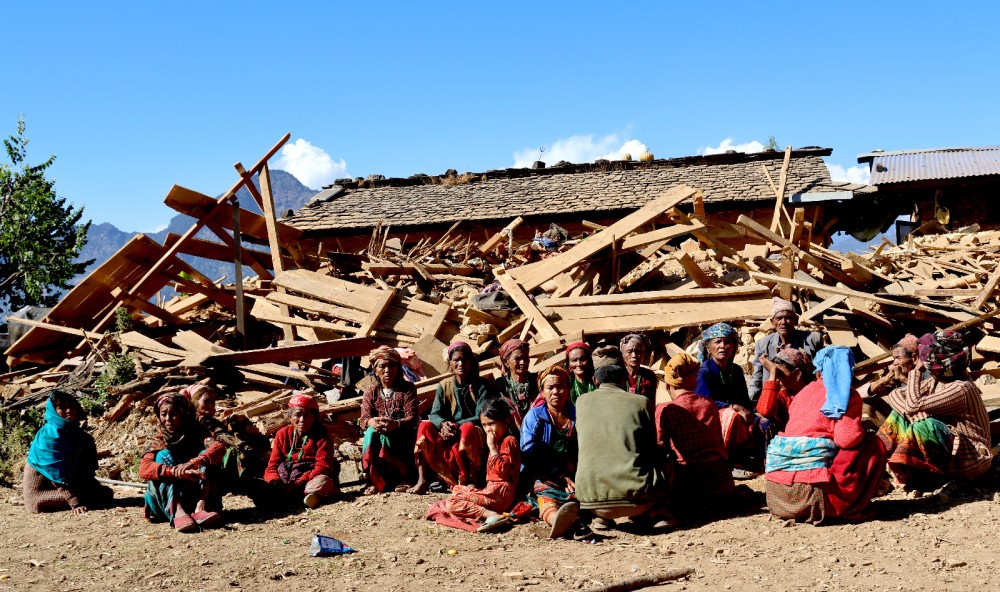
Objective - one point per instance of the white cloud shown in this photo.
(311, 165)
(577, 149)
(855, 174)
(159, 228)
(727, 144)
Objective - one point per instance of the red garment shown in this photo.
(465, 508)
(150, 470)
(806, 419)
(643, 382)
(690, 425)
(773, 402)
(460, 461)
(315, 447)
(402, 405)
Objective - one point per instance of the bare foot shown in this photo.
(420, 488)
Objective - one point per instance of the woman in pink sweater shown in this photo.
(824, 465)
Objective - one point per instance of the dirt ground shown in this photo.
(916, 544)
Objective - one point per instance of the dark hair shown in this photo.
(64, 400)
(613, 374)
(496, 409)
(807, 377)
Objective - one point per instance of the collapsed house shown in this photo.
(445, 263)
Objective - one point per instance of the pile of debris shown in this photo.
(667, 270)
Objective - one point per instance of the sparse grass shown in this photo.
(463, 179)
(16, 432)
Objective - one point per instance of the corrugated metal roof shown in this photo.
(923, 165)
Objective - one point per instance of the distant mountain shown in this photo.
(104, 239)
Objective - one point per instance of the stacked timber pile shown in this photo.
(667, 270)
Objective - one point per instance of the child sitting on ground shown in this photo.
(62, 461)
(302, 464)
(480, 510)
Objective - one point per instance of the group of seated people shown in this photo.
(581, 445)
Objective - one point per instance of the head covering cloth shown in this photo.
(796, 359)
(192, 392)
(779, 305)
(55, 449)
(910, 343)
(467, 350)
(186, 434)
(680, 367)
(607, 355)
(716, 331)
(579, 345)
(553, 370)
(303, 400)
(630, 338)
(944, 353)
(507, 349)
(384, 352)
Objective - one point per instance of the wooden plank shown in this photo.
(266, 200)
(660, 296)
(533, 275)
(816, 311)
(710, 312)
(988, 289)
(342, 313)
(520, 298)
(216, 251)
(379, 308)
(869, 347)
(57, 328)
(512, 330)
(638, 241)
(780, 191)
(265, 311)
(838, 290)
(989, 344)
(694, 272)
(388, 268)
(497, 238)
(338, 348)
(137, 340)
(146, 307)
(755, 228)
(840, 331)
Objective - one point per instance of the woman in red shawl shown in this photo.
(450, 442)
(517, 386)
(641, 381)
(302, 464)
(580, 363)
(389, 418)
(180, 490)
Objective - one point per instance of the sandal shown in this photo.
(206, 519)
(403, 488)
(598, 523)
(492, 523)
(743, 475)
(311, 501)
(185, 523)
(564, 519)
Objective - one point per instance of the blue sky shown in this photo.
(135, 97)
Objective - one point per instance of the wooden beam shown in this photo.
(273, 241)
(207, 249)
(336, 348)
(780, 192)
(379, 309)
(58, 328)
(387, 268)
(638, 241)
(693, 271)
(520, 298)
(497, 238)
(659, 296)
(147, 307)
(838, 290)
(531, 276)
(988, 289)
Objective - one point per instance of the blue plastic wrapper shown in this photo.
(324, 546)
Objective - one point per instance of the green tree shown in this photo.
(40, 235)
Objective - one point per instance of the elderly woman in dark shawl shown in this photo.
(389, 417)
(938, 428)
(180, 488)
(580, 363)
(641, 381)
(516, 385)
(62, 461)
(450, 442)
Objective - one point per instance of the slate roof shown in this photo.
(925, 165)
(726, 180)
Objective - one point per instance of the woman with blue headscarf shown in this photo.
(722, 381)
(62, 461)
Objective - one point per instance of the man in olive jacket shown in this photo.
(619, 472)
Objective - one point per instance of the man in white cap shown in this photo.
(783, 319)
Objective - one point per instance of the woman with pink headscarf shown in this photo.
(517, 386)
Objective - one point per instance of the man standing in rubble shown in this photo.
(783, 319)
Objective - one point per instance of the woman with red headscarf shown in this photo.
(938, 428)
(389, 418)
(517, 386)
(302, 464)
(580, 363)
(179, 490)
(450, 442)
